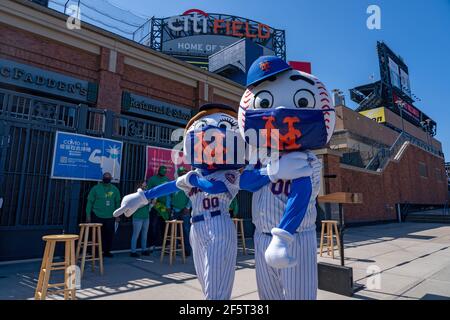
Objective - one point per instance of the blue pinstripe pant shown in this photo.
(296, 283)
(214, 248)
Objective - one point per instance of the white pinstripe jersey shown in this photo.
(204, 203)
(269, 202)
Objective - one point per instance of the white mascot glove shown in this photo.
(131, 203)
(183, 181)
(277, 252)
(292, 165)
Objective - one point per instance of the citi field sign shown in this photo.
(198, 21)
(197, 33)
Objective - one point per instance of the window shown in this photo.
(423, 169)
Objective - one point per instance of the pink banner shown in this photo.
(157, 157)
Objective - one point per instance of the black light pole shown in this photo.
(426, 126)
(400, 105)
(341, 223)
(428, 131)
(341, 233)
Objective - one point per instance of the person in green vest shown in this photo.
(103, 199)
(141, 219)
(160, 211)
(234, 208)
(180, 208)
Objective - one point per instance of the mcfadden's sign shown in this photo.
(196, 33)
(33, 78)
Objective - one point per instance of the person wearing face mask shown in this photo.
(103, 199)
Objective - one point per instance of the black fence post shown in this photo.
(82, 118)
(4, 143)
(109, 123)
(75, 185)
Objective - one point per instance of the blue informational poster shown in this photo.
(80, 157)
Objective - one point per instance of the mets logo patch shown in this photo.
(264, 66)
(230, 177)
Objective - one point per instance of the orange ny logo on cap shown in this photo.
(264, 66)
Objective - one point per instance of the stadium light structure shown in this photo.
(401, 105)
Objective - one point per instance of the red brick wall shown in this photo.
(200, 94)
(25, 47)
(399, 182)
(152, 85)
(109, 91)
(219, 99)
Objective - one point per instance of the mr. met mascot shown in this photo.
(296, 108)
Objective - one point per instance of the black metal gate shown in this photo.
(33, 203)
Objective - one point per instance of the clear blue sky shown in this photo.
(333, 36)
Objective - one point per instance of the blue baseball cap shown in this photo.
(265, 67)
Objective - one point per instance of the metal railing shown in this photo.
(30, 109)
(384, 154)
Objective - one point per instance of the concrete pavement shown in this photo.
(392, 261)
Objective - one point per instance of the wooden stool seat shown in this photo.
(95, 243)
(330, 226)
(171, 234)
(47, 266)
(60, 237)
(90, 225)
(239, 224)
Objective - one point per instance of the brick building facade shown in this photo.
(42, 65)
(412, 175)
(37, 37)
(399, 182)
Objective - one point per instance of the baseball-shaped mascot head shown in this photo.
(295, 103)
(212, 140)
